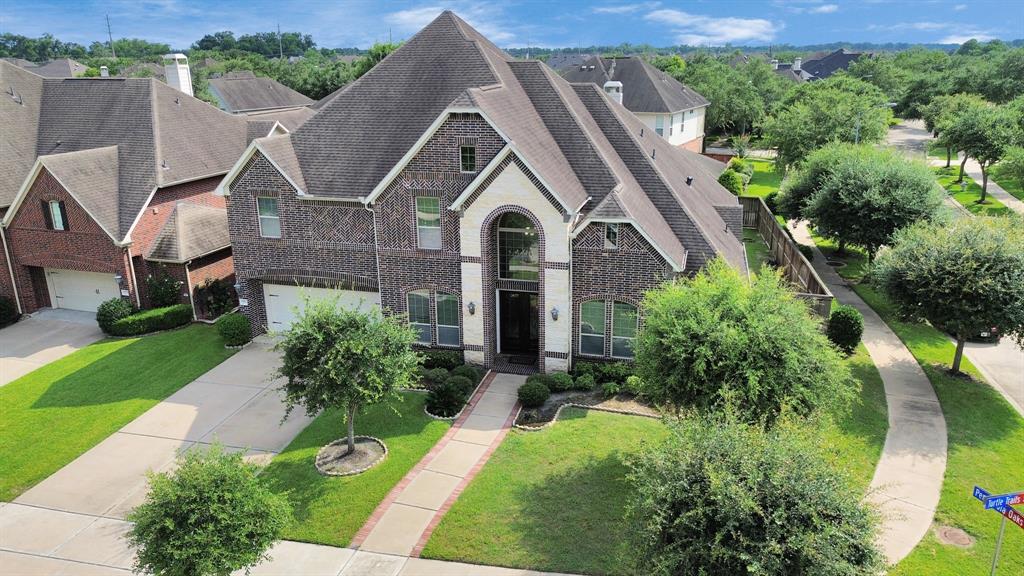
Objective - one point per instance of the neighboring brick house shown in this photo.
(671, 109)
(506, 212)
(107, 181)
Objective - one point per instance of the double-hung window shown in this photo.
(418, 303)
(467, 158)
(270, 222)
(611, 236)
(659, 125)
(428, 222)
(624, 325)
(592, 328)
(447, 319)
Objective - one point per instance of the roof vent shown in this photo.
(164, 165)
(14, 95)
(654, 153)
(641, 132)
(177, 101)
(689, 180)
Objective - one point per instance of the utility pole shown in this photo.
(111, 38)
(280, 42)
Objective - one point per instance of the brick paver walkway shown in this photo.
(404, 520)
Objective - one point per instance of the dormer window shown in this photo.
(611, 236)
(467, 158)
(659, 125)
(56, 215)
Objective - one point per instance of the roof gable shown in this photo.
(246, 92)
(191, 231)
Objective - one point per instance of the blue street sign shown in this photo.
(1004, 500)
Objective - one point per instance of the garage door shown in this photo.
(80, 290)
(284, 300)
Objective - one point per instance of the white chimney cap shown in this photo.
(176, 56)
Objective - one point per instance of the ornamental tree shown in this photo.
(943, 111)
(983, 133)
(717, 338)
(210, 517)
(722, 497)
(964, 277)
(345, 359)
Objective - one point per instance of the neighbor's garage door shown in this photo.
(283, 301)
(80, 290)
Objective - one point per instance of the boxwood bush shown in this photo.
(447, 359)
(152, 320)
(465, 385)
(543, 379)
(584, 382)
(446, 399)
(559, 382)
(434, 376)
(110, 312)
(234, 329)
(845, 328)
(533, 394)
(471, 372)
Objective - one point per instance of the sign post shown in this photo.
(1002, 503)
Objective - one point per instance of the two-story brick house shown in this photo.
(104, 181)
(508, 213)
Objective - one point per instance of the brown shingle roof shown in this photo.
(246, 92)
(644, 87)
(192, 230)
(19, 116)
(91, 176)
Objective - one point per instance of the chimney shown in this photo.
(177, 73)
(775, 64)
(104, 72)
(797, 62)
(613, 88)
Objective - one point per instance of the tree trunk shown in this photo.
(960, 341)
(963, 164)
(351, 428)
(984, 183)
(949, 155)
(841, 249)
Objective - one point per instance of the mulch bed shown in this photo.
(622, 402)
(332, 460)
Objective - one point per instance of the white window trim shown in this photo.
(604, 339)
(437, 316)
(461, 170)
(607, 243)
(57, 217)
(611, 332)
(260, 217)
(419, 236)
(408, 295)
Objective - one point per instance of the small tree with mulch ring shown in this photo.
(345, 359)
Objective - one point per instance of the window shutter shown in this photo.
(46, 214)
(64, 216)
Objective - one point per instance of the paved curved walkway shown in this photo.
(908, 479)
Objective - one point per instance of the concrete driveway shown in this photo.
(45, 337)
(1002, 365)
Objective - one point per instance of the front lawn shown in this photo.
(969, 198)
(765, 179)
(1012, 185)
(52, 415)
(331, 509)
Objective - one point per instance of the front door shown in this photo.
(518, 329)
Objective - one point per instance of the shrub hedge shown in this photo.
(533, 394)
(110, 312)
(559, 382)
(465, 385)
(447, 359)
(471, 372)
(152, 320)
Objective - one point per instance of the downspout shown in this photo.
(188, 286)
(376, 251)
(574, 220)
(10, 270)
(135, 280)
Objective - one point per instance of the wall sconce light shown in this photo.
(238, 288)
(554, 314)
(118, 278)
(472, 308)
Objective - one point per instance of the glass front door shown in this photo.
(518, 326)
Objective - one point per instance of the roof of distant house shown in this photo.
(563, 60)
(59, 68)
(243, 91)
(828, 65)
(645, 89)
(590, 151)
(111, 141)
(191, 231)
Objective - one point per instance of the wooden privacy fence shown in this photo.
(784, 252)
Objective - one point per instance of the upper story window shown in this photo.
(611, 236)
(671, 123)
(56, 215)
(624, 326)
(428, 222)
(447, 314)
(518, 248)
(270, 222)
(659, 125)
(467, 158)
(418, 304)
(592, 328)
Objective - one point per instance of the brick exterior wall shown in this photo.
(622, 274)
(84, 246)
(6, 283)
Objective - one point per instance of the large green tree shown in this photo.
(723, 497)
(345, 359)
(982, 132)
(964, 277)
(942, 111)
(717, 339)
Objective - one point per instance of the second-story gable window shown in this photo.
(270, 222)
(611, 236)
(659, 125)
(428, 222)
(467, 158)
(56, 215)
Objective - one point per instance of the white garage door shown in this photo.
(284, 300)
(80, 290)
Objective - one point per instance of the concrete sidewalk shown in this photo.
(909, 475)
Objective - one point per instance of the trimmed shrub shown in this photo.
(110, 312)
(434, 376)
(845, 328)
(559, 382)
(581, 367)
(732, 181)
(744, 168)
(447, 359)
(544, 379)
(604, 371)
(8, 311)
(772, 202)
(465, 385)
(162, 289)
(611, 388)
(471, 372)
(152, 320)
(634, 385)
(234, 329)
(584, 382)
(807, 251)
(533, 394)
(446, 399)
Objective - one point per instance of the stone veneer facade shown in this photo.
(342, 244)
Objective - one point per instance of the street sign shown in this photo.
(1004, 500)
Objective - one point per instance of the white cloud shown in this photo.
(960, 7)
(482, 16)
(921, 26)
(697, 30)
(961, 38)
(824, 9)
(625, 8)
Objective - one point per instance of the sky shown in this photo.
(519, 23)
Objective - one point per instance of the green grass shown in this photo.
(937, 151)
(54, 414)
(986, 440)
(856, 259)
(969, 198)
(765, 179)
(330, 510)
(552, 500)
(757, 250)
(1013, 186)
